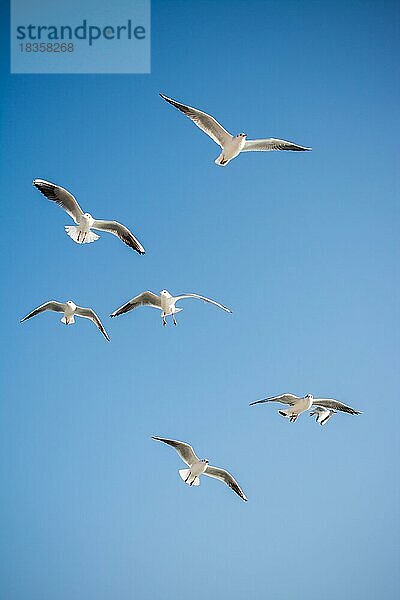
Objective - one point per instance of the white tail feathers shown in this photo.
(187, 478)
(70, 321)
(221, 160)
(79, 237)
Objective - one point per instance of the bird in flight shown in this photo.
(299, 404)
(69, 310)
(323, 414)
(231, 145)
(164, 302)
(198, 467)
(82, 233)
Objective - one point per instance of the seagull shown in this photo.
(82, 234)
(199, 467)
(164, 302)
(232, 145)
(300, 404)
(323, 414)
(70, 310)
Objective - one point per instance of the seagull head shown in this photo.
(71, 304)
(242, 135)
(165, 294)
(205, 461)
(87, 216)
(309, 397)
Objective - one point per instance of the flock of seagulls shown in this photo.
(82, 233)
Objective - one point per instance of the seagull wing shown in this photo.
(206, 122)
(88, 313)
(182, 296)
(143, 299)
(61, 196)
(271, 144)
(120, 231)
(227, 478)
(185, 451)
(289, 399)
(51, 305)
(335, 404)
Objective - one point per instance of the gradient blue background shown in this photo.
(304, 247)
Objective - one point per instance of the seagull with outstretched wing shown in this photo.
(69, 310)
(165, 302)
(82, 232)
(198, 467)
(231, 145)
(299, 404)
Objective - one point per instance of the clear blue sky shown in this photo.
(303, 247)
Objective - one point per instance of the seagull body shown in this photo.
(231, 145)
(69, 310)
(198, 467)
(81, 233)
(323, 414)
(299, 404)
(165, 302)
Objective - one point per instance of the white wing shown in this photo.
(88, 313)
(61, 196)
(336, 405)
(143, 299)
(51, 305)
(185, 451)
(206, 122)
(289, 399)
(198, 297)
(271, 144)
(227, 478)
(120, 231)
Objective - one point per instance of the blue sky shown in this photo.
(303, 247)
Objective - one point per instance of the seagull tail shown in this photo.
(184, 474)
(80, 238)
(71, 320)
(221, 160)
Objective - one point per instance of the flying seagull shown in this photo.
(232, 145)
(323, 414)
(199, 467)
(164, 302)
(70, 310)
(298, 405)
(81, 233)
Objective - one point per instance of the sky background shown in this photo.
(303, 247)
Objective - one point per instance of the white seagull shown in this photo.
(164, 302)
(199, 467)
(81, 233)
(70, 310)
(323, 414)
(300, 404)
(232, 145)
